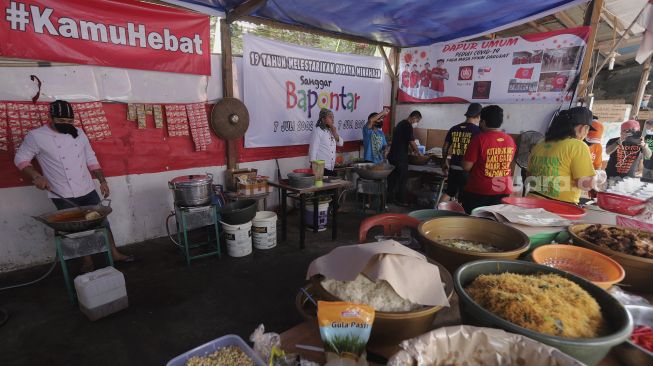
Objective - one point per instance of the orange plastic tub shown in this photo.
(593, 266)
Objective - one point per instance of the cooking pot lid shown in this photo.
(192, 180)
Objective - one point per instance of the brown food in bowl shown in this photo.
(620, 239)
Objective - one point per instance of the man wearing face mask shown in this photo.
(403, 140)
(647, 173)
(626, 151)
(67, 161)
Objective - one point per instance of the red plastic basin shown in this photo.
(566, 210)
(618, 203)
(307, 171)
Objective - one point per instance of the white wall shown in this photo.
(140, 202)
(517, 117)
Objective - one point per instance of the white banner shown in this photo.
(285, 86)
(533, 68)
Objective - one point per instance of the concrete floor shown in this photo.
(172, 308)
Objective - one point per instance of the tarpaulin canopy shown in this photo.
(403, 23)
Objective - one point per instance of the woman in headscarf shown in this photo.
(560, 167)
(324, 142)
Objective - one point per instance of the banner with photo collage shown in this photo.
(533, 68)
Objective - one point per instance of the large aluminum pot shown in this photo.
(192, 190)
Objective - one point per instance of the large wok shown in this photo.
(72, 220)
(373, 171)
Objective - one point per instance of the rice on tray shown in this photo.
(379, 295)
(544, 303)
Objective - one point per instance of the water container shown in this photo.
(322, 215)
(264, 230)
(101, 292)
(239, 239)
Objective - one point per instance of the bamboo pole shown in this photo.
(641, 88)
(593, 22)
(228, 86)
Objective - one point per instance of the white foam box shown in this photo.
(101, 292)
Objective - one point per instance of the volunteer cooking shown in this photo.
(403, 140)
(324, 142)
(560, 167)
(67, 161)
(455, 145)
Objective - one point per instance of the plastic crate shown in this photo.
(214, 345)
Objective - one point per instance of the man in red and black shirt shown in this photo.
(559, 82)
(425, 81)
(414, 82)
(438, 75)
(487, 159)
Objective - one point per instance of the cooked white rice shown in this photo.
(379, 295)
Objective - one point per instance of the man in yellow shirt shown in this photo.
(560, 167)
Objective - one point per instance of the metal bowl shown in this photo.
(588, 350)
(629, 352)
(301, 180)
(512, 241)
(373, 171)
(418, 159)
(638, 269)
(390, 328)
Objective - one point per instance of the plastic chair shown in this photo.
(451, 206)
(392, 224)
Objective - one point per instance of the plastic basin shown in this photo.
(511, 241)
(566, 210)
(589, 264)
(429, 213)
(618, 203)
(587, 350)
(214, 345)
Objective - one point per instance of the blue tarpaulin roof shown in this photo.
(402, 23)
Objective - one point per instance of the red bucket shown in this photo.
(308, 171)
(566, 210)
(618, 203)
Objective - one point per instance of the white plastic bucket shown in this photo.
(239, 239)
(264, 230)
(322, 214)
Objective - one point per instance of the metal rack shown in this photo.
(191, 218)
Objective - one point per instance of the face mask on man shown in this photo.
(66, 128)
(414, 125)
(649, 132)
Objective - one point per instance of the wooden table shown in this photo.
(307, 333)
(304, 194)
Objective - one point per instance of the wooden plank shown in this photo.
(565, 20)
(390, 70)
(595, 9)
(395, 85)
(319, 32)
(611, 112)
(244, 9)
(538, 27)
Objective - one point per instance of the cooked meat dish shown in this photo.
(620, 239)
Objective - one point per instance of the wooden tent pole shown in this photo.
(392, 72)
(641, 88)
(228, 86)
(593, 21)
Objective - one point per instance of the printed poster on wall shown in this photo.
(533, 68)
(116, 33)
(286, 86)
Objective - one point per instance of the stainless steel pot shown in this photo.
(192, 190)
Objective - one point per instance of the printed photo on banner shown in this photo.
(535, 68)
(286, 86)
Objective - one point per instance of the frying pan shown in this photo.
(72, 220)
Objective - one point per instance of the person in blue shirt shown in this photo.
(374, 143)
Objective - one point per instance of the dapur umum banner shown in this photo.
(285, 86)
(533, 68)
